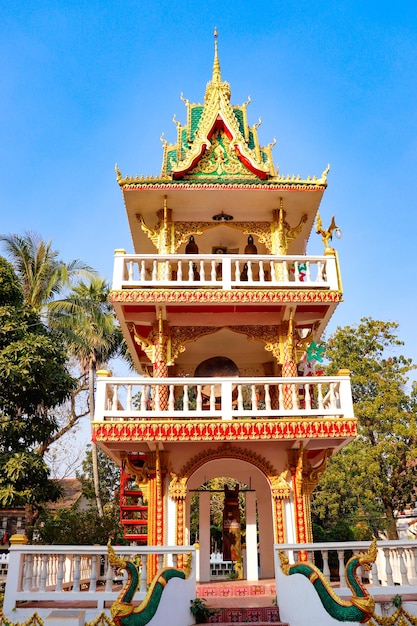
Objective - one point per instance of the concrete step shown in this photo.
(239, 614)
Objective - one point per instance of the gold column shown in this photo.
(280, 491)
(160, 363)
(296, 462)
(289, 366)
(156, 506)
(178, 493)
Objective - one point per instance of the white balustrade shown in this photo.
(394, 571)
(228, 271)
(78, 573)
(223, 398)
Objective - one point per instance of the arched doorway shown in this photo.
(258, 518)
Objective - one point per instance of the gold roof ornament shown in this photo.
(216, 145)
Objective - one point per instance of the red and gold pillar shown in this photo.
(156, 506)
(280, 491)
(178, 493)
(296, 462)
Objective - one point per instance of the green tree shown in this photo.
(75, 526)
(86, 320)
(109, 474)
(44, 277)
(42, 274)
(34, 380)
(373, 478)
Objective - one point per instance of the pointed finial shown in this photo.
(216, 78)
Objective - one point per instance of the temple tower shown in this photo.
(223, 309)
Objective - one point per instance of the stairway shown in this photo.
(241, 602)
(255, 615)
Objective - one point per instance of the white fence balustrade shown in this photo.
(223, 398)
(4, 565)
(394, 571)
(78, 573)
(226, 271)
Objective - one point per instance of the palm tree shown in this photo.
(83, 317)
(86, 320)
(42, 274)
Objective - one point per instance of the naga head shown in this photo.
(365, 559)
(114, 560)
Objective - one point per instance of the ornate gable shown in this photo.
(216, 141)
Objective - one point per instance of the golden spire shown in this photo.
(216, 85)
(216, 77)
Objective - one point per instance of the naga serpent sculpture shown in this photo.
(361, 605)
(122, 610)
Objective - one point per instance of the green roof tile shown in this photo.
(196, 113)
(239, 116)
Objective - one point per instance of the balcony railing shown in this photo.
(228, 271)
(223, 398)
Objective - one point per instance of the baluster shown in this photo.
(213, 271)
(237, 271)
(308, 271)
(413, 563)
(54, 577)
(202, 270)
(267, 397)
(143, 572)
(44, 567)
(250, 273)
(93, 572)
(332, 396)
(77, 575)
(273, 275)
(160, 558)
(109, 575)
(286, 273)
(320, 272)
(296, 272)
(35, 571)
(402, 556)
(129, 271)
(157, 398)
(166, 270)
(142, 272)
(239, 398)
(307, 396)
(60, 572)
(186, 399)
(388, 568)
(326, 568)
(373, 576)
(115, 398)
(154, 270)
(340, 557)
(261, 271)
(129, 398)
(281, 397)
(171, 398)
(27, 571)
(320, 396)
(179, 270)
(254, 399)
(144, 397)
(294, 396)
(190, 271)
(212, 399)
(199, 399)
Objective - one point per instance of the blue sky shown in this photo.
(86, 85)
